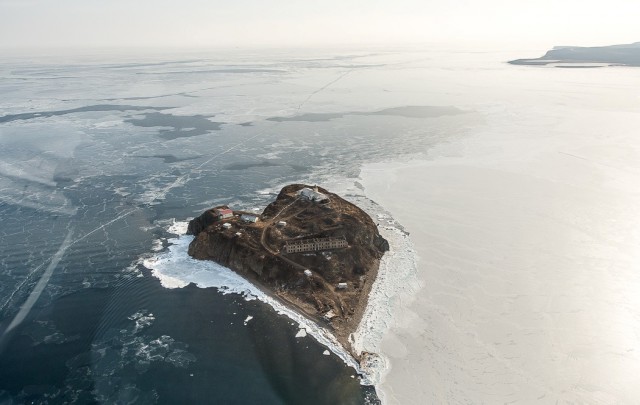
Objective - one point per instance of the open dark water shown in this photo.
(99, 155)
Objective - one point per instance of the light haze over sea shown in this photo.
(519, 187)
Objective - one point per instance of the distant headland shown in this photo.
(587, 57)
(310, 248)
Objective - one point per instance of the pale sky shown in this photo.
(254, 23)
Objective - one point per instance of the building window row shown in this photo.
(315, 244)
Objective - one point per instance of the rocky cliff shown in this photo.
(329, 285)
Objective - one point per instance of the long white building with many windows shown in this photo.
(315, 244)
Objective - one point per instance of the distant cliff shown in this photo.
(576, 56)
(331, 284)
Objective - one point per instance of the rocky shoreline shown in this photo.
(311, 249)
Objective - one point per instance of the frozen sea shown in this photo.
(103, 157)
(103, 154)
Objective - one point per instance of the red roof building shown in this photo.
(223, 213)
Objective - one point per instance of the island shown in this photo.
(587, 57)
(310, 248)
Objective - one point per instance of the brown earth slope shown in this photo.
(256, 251)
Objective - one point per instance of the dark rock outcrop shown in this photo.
(201, 223)
(256, 251)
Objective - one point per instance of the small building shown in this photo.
(312, 195)
(308, 273)
(226, 225)
(342, 286)
(238, 234)
(222, 213)
(249, 218)
(281, 224)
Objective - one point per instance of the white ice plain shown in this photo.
(528, 237)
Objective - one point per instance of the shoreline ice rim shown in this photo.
(396, 281)
(174, 268)
(395, 286)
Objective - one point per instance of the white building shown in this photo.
(226, 225)
(312, 195)
(249, 218)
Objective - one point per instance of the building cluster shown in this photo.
(315, 244)
(222, 213)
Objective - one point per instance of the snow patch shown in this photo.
(156, 245)
(178, 227)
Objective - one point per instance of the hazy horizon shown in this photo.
(36, 24)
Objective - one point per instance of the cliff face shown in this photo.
(201, 223)
(335, 286)
(626, 55)
(226, 251)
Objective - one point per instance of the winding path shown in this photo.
(267, 224)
